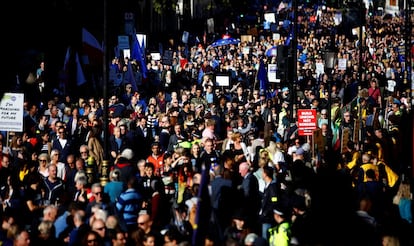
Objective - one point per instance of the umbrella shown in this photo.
(225, 41)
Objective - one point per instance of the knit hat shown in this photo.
(127, 154)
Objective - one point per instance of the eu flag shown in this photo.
(262, 76)
(136, 54)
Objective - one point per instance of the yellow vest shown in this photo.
(280, 235)
(353, 162)
(367, 166)
(392, 177)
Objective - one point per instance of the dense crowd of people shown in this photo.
(193, 163)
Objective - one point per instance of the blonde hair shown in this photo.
(235, 135)
(388, 240)
(404, 191)
(210, 122)
(45, 227)
(46, 156)
(54, 152)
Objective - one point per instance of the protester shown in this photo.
(167, 126)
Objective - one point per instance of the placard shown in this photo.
(126, 53)
(356, 32)
(167, 57)
(123, 42)
(320, 68)
(276, 36)
(222, 80)
(246, 38)
(342, 64)
(307, 121)
(185, 36)
(270, 17)
(272, 73)
(210, 25)
(142, 40)
(11, 112)
(155, 56)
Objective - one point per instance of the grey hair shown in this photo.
(49, 208)
(96, 185)
(82, 179)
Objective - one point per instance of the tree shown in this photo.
(164, 6)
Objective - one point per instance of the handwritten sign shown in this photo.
(11, 112)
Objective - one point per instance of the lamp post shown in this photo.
(294, 58)
(179, 12)
(409, 65)
(104, 175)
(330, 60)
(360, 39)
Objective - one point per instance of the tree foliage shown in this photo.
(164, 6)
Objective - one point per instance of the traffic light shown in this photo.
(371, 10)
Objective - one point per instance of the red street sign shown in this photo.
(307, 121)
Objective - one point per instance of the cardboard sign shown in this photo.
(246, 38)
(11, 112)
(123, 42)
(272, 73)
